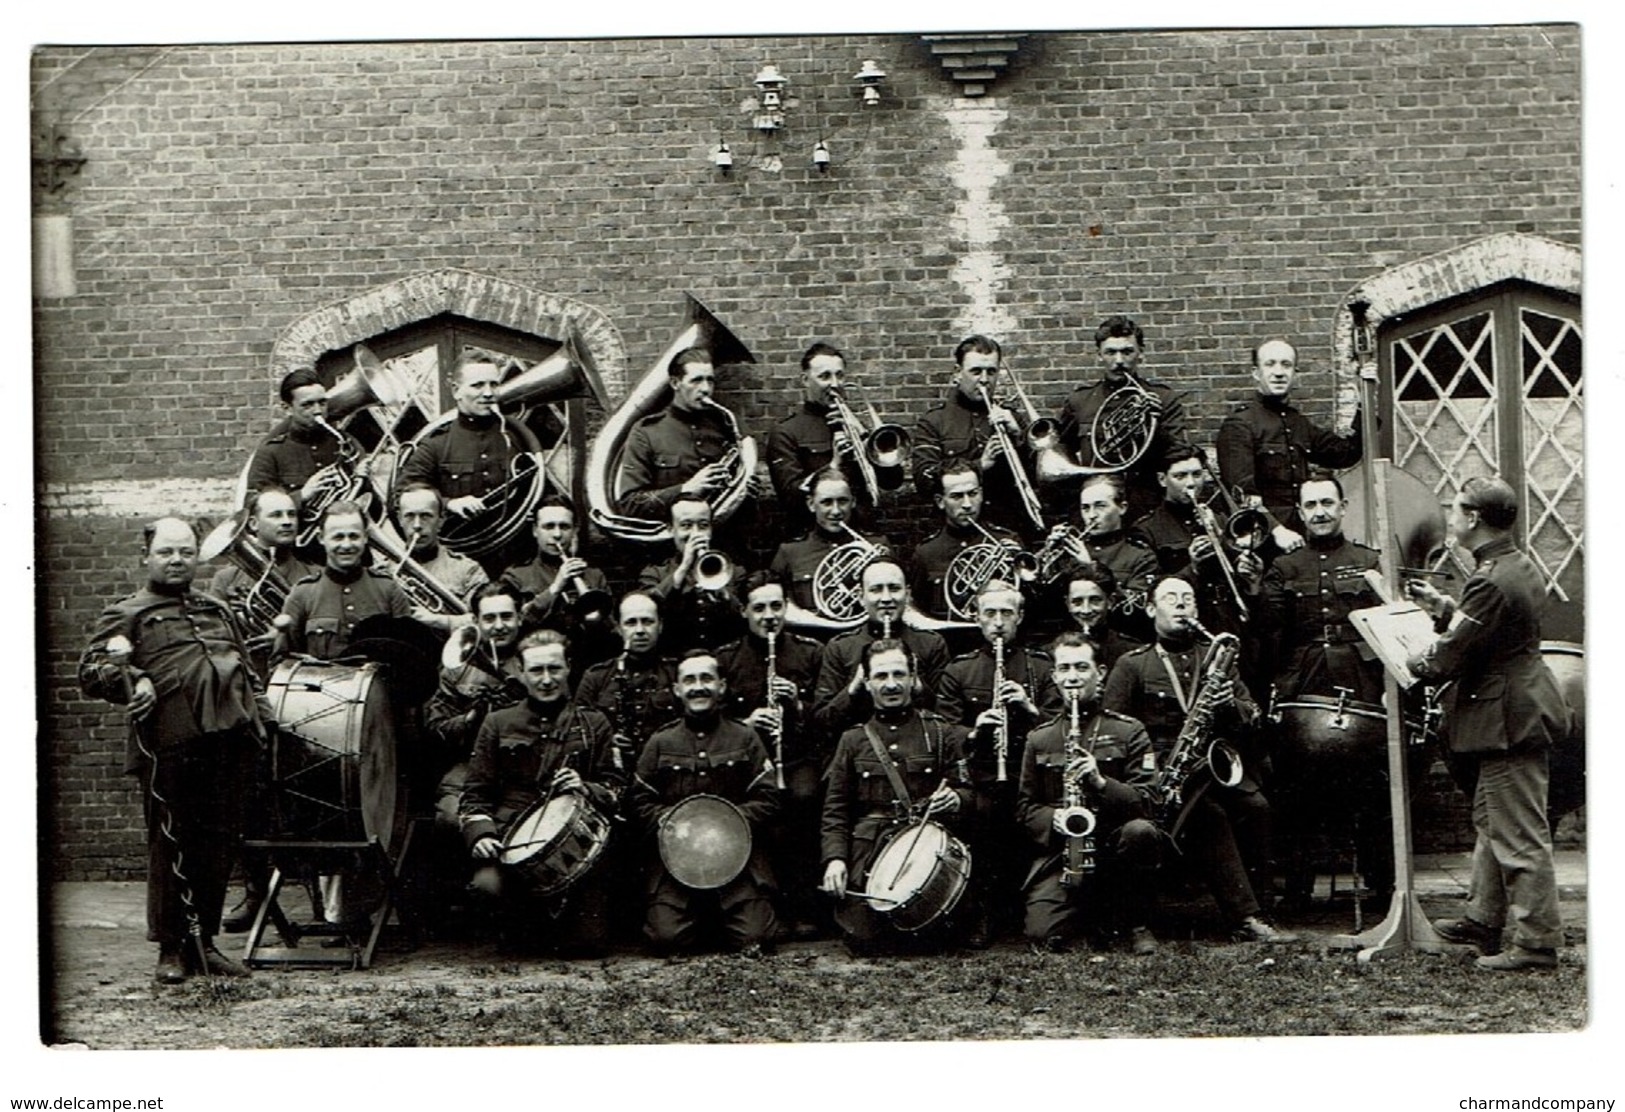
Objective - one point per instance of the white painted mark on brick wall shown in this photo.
(978, 219)
(139, 498)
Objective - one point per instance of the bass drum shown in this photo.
(554, 842)
(1323, 745)
(918, 876)
(333, 756)
(704, 842)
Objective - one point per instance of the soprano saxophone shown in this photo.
(1077, 820)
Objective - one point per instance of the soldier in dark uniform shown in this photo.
(472, 456)
(420, 511)
(1105, 541)
(302, 444)
(696, 614)
(1228, 833)
(174, 659)
(796, 563)
(841, 700)
(273, 523)
(1502, 714)
(966, 697)
(1121, 344)
(550, 588)
(1090, 594)
(862, 808)
(707, 753)
(545, 745)
(1308, 594)
(959, 497)
(813, 438)
(1266, 446)
(1117, 859)
(324, 608)
(635, 688)
(961, 428)
(782, 719)
(681, 452)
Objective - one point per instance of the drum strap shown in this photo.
(899, 789)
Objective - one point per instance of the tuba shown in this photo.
(652, 393)
(974, 567)
(505, 511)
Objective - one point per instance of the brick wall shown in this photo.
(1216, 185)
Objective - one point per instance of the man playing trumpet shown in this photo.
(560, 590)
(1085, 779)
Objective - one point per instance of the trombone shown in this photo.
(1024, 485)
(879, 446)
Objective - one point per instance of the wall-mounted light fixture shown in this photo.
(869, 78)
(770, 86)
(820, 157)
(723, 158)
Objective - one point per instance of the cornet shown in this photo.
(713, 571)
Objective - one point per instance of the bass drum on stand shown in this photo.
(333, 756)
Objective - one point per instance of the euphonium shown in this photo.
(257, 607)
(652, 393)
(880, 446)
(1076, 819)
(741, 460)
(1018, 473)
(340, 481)
(1194, 750)
(421, 588)
(974, 567)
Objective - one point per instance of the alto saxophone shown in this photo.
(1076, 819)
(1194, 751)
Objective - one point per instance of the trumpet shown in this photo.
(1052, 555)
(1018, 473)
(881, 445)
(713, 571)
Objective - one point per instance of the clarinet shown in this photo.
(1001, 733)
(772, 701)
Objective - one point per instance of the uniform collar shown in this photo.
(548, 712)
(894, 716)
(702, 722)
(1274, 403)
(1500, 546)
(815, 409)
(1325, 544)
(968, 404)
(478, 424)
(345, 576)
(1180, 642)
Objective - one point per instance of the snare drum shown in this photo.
(704, 842)
(918, 876)
(333, 759)
(554, 842)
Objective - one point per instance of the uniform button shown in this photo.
(346, 590)
(702, 772)
(894, 747)
(928, 768)
(349, 606)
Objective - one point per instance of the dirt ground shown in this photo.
(466, 992)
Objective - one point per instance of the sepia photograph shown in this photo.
(812, 544)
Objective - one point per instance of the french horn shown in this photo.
(1121, 433)
(652, 394)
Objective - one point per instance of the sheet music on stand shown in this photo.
(1396, 631)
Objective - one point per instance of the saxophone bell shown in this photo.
(1078, 821)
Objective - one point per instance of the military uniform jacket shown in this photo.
(461, 701)
(664, 451)
(453, 571)
(326, 606)
(1504, 698)
(1133, 563)
(1140, 687)
(636, 693)
(537, 610)
(1077, 418)
(1308, 595)
(287, 459)
(860, 807)
(1266, 447)
(931, 562)
(966, 690)
(803, 444)
(189, 647)
(834, 711)
(692, 618)
(718, 757)
(467, 455)
(1120, 745)
(744, 666)
(795, 564)
(516, 753)
(959, 429)
(1169, 530)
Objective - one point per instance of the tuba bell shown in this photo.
(651, 394)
